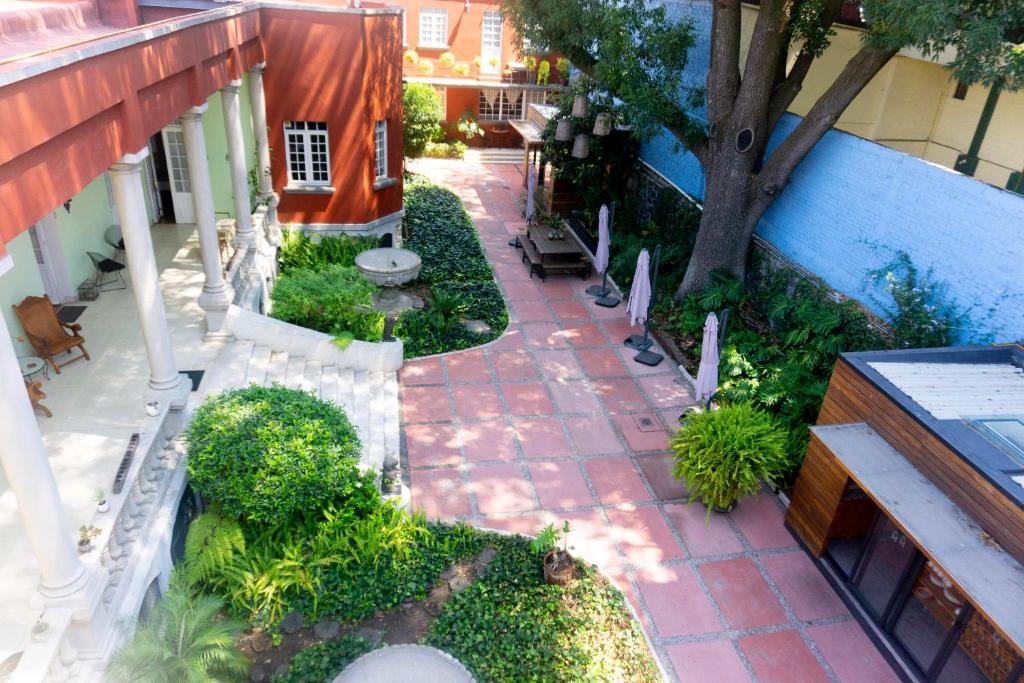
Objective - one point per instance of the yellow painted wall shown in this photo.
(909, 106)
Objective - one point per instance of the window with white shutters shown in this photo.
(433, 27)
(307, 155)
(380, 150)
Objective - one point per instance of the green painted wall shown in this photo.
(217, 148)
(82, 229)
(20, 281)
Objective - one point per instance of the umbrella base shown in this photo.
(648, 358)
(607, 301)
(638, 342)
(598, 290)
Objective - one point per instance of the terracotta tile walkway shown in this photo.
(556, 421)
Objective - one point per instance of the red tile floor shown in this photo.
(555, 421)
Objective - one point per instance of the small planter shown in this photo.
(102, 506)
(558, 568)
(40, 630)
(84, 546)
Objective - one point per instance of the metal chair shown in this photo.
(112, 236)
(104, 267)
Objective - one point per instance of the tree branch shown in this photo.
(724, 72)
(774, 176)
(770, 32)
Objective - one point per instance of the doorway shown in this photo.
(49, 257)
(171, 177)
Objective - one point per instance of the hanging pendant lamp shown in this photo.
(579, 107)
(581, 147)
(563, 133)
(603, 124)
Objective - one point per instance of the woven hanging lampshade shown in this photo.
(579, 106)
(563, 133)
(603, 124)
(581, 147)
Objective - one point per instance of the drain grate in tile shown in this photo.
(647, 423)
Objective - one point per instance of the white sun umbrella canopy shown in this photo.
(603, 240)
(531, 189)
(707, 373)
(640, 292)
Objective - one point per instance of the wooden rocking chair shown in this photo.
(46, 333)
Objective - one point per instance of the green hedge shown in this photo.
(324, 661)
(445, 150)
(334, 299)
(455, 265)
(271, 455)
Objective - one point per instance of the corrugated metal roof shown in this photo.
(952, 391)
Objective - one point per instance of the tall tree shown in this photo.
(632, 51)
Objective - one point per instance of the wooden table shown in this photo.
(546, 255)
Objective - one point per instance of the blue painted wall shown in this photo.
(853, 203)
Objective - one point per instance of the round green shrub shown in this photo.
(271, 455)
(332, 299)
(724, 454)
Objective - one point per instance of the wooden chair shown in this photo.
(46, 333)
(36, 395)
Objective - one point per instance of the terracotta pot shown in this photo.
(560, 576)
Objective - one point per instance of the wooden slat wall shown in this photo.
(851, 398)
(816, 496)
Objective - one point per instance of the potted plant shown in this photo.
(477, 62)
(493, 62)
(557, 563)
(543, 72)
(411, 58)
(425, 67)
(85, 536)
(461, 69)
(101, 500)
(724, 454)
(531, 65)
(446, 60)
(40, 629)
(562, 65)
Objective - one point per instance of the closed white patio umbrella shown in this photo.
(640, 292)
(531, 189)
(707, 373)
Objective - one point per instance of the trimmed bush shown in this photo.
(442, 233)
(431, 331)
(445, 150)
(422, 113)
(271, 455)
(335, 299)
(299, 251)
(724, 454)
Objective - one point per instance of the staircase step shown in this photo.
(329, 384)
(392, 426)
(346, 389)
(295, 372)
(258, 364)
(226, 372)
(277, 368)
(360, 415)
(378, 409)
(312, 377)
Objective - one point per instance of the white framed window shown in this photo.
(380, 150)
(308, 159)
(500, 105)
(433, 27)
(490, 50)
(537, 97)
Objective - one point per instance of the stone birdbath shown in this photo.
(389, 268)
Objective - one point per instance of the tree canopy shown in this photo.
(633, 52)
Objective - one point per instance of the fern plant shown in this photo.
(212, 543)
(724, 454)
(185, 639)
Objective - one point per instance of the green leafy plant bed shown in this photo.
(301, 252)
(334, 299)
(456, 270)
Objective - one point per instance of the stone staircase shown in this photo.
(369, 398)
(495, 155)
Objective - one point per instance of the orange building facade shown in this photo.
(466, 50)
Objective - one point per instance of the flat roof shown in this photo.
(947, 390)
(989, 576)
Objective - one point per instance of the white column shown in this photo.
(126, 178)
(27, 468)
(236, 159)
(258, 103)
(215, 297)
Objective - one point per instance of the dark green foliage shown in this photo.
(422, 112)
(442, 233)
(333, 299)
(186, 638)
(724, 454)
(510, 626)
(456, 267)
(445, 150)
(299, 251)
(270, 455)
(324, 661)
(920, 315)
(439, 329)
